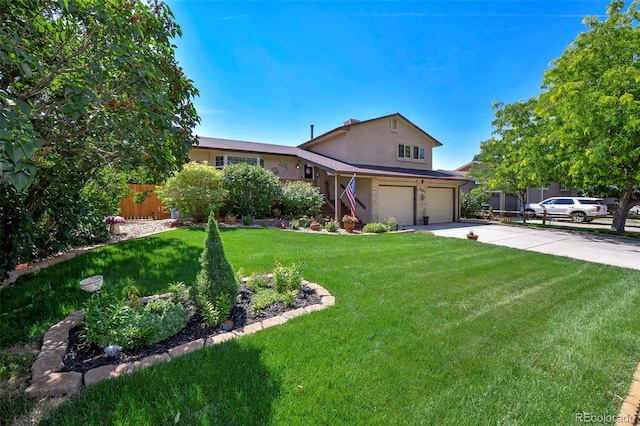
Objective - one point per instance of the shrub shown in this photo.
(110, 321)
(216, 285)
(251, 189)
(332, 226)
(376, 228)
(391, 223)
(301, 198)
(257, 282)
(248, 220)
(470, 202)
(265, 298)
(287, 278)
(196, 191)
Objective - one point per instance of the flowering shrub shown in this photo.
(347, 218)
(110, 220)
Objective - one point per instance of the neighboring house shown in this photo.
(509, 202)
(390, 156)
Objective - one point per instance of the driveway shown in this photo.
(598, 248)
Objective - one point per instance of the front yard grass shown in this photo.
(425, 330)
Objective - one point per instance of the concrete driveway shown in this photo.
(592, 247)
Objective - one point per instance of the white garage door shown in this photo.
(440, 205)
(396, 201)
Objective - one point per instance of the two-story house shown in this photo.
(390, 156)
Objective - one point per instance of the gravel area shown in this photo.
(139, 228)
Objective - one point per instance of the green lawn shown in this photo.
(425, 330)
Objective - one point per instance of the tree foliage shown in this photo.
(87, 85)
(252, 189)
(584, 129)
(592, 101)
(512, 159)
(196, 190)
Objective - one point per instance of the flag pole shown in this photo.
(345, 190)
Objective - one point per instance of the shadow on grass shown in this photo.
(224, 384)
(38, 300)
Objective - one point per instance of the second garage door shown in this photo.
(440, 205)
(396, 201)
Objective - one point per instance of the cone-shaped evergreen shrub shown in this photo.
(216, 285)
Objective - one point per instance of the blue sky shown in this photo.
(267, 70)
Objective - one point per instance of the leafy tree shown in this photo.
(513, 158)
(301, 198)
(87, 85)
(196, 190)
(592, 102)
(216, 285)
(252, 189)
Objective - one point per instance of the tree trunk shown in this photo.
(621, 212)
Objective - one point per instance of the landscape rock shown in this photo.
(99, 374)
(55, 384)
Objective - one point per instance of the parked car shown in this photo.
(579, 209)
(634, 212)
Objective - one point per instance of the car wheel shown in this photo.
(530, 214)
(578, 217)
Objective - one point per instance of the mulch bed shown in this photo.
(83, 359)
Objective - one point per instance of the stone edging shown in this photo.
(630, 410)
(48, 380)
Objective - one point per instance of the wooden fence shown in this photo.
(151, 208)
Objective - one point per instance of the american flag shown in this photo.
(351, 194)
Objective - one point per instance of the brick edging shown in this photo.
(48, 380)
(630, 410)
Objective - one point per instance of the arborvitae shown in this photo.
(216, 277)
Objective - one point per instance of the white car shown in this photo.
(579, 209)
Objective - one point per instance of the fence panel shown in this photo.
(151, 208)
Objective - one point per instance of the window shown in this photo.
(563, 187)
(236, 160)
(415, 153)
(394, 124)
(224, 160)
(404, 151)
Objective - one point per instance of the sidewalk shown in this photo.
(592, 247)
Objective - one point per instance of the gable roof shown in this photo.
(331, 165)
(351, 123)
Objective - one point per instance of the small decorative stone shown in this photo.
(227, 326)
(112, 350)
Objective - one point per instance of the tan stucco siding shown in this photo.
(282, 165)
(376, 144)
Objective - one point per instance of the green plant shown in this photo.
(257, 281)
(248, 220)
(180, 291)
(376, 228)
(332, 226)
(391, 223)
(287, 278)
(251, 189)
(103, 316)
(155, 321)
(196, 190)
(264, 298)
(295, 224)
(216, 277)
(265, 224)
(347, 218)
(301, 198)
(288, 297)
(470, 202)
